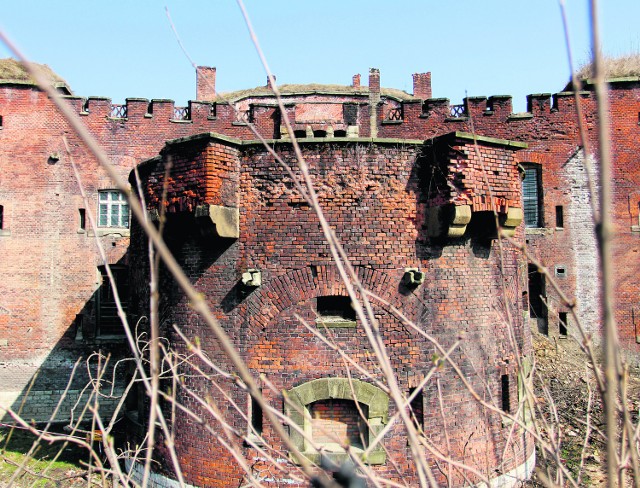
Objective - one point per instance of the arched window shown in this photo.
(337, 412)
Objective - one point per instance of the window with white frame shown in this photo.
(113, 209)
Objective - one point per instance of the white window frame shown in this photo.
(113, 209)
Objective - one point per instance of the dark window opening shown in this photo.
(319, 133)
(559, 216)
(532, 195)
(300, 134)
(335, 308)
(1, 122)
(350, 114)
(256, 417)
(340, 133)
(1, 217)
(482, 225)
(109, 322)
(417, 408)
(537, 299)
(82, 214)
(506, 399)
(562, 325)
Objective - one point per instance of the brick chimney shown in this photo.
(374, 84)
(356, 81)
(269, 81)
(205, 83)
(374, 100)
(422, 85)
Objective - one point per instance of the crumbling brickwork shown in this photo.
(394, 200)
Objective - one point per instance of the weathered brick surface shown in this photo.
(372, 196)
(49, 267)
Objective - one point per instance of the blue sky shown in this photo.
(126, 48)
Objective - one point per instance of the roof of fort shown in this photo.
(13, 72)
(313, 89)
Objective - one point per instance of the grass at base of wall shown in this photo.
(52, 464)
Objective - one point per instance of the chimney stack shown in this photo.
(374, 84)
(422, 85)
(356, 81)
(269, 81)
(205, 83)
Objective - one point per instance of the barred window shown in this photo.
(113, 209)
(532, 195)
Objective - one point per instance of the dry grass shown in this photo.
(12, 70)
(619, 67)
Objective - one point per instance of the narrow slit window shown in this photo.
(559, 216)
(256, 417)
(417, 408)
(1, 122)
(1, 217)
(506, 400)
(562, 325)
(82, 216)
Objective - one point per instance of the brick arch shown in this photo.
(302, 396)
(302, 284)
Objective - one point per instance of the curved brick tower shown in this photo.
(415, 220)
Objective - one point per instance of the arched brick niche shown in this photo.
(282, 292)
(325, 422)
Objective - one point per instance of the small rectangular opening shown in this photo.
(335, 308)
(256, 418)
(562, 325)
(1, 122)
(506, 400)
(561, 271)
(1, 217)
(82, 215)
(559, 216)
(417, 408)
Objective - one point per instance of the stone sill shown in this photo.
(109, 231)
(252, 440)
(634, 228)
(174, 121)
(5, 233)
(537, 231)
(456, 119)
(336, 324)
(339, 457)
(392, 122)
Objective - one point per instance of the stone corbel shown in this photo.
(510, 220)
(218, 220)
(448, 220)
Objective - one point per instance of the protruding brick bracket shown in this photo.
(510, 220)
(448, 220)
(219, 221)
(452, 220)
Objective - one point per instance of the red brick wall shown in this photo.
(371, 195)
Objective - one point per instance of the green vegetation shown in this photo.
(51, 465)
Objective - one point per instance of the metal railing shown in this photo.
(394, 114)
(458, 110)
(118, 112)
(181, 113)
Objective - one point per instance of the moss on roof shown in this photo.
(12, 71)
(263, 91)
